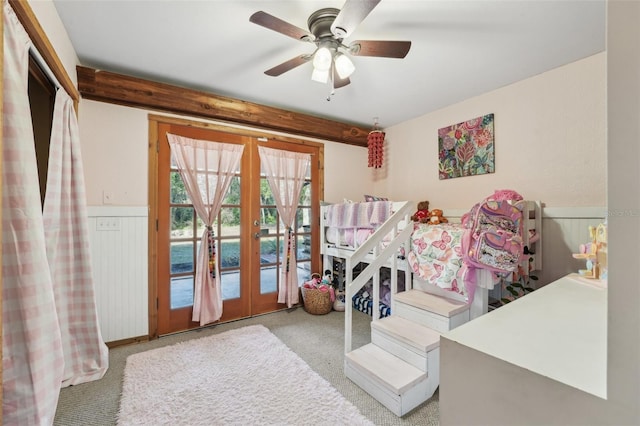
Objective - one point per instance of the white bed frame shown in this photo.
(375, 256)
(400, 217)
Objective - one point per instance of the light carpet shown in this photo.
(245, 376)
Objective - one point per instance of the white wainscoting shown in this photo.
(563, 230)
(119, 256)
(120, 259)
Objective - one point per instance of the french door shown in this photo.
(248, 231)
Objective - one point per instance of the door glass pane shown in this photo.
(230, 285)
(233, 194)
(266, 196)
(230, 222)
(281, 247)
(269, 220)
(200, 228)
(181, 292)
(268, 250)
(305, 194)
(304, 272)
(178, 192)
(268, 279)
(303, 247)
(182, 222)
(303, 219)
(229, 253)
(182, 257)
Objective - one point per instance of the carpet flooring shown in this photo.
(317, 339)
(237, 377)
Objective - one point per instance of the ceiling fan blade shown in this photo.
(278, 25)
(381, 48)
(352, 13)
(288, 65)
(339, 82)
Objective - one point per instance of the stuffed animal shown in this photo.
(422, 215)
(436, 217)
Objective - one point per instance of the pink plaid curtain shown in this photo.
(86, 357)
(207, 169)
(33, 361)
(285, 173)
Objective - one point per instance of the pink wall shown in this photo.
(550, 143)
(115, 152)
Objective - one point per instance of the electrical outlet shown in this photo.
(108, 224)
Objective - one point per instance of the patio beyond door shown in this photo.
(249, 235)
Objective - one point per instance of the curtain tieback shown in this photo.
(212, 251)
(290, 247)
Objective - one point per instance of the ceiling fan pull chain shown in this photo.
(332, 89)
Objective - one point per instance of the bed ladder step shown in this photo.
(398, 385)
(436, 312)
(414, 343)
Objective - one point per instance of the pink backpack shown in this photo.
(493, 235)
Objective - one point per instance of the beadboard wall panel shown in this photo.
(563, 230)
(119, 257)
(120, 260)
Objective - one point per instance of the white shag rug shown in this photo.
(245, 376)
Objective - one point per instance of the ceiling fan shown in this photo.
(328, 28)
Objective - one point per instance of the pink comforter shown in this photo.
(436, 255)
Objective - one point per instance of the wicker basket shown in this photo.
(316, 302)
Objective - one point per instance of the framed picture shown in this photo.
(467, 148)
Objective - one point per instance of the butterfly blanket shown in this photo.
(436, 255)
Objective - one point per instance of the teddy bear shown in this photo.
(422, 214)
(436, 217)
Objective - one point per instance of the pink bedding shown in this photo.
(348, 237)
(350, 224)
(436, 256)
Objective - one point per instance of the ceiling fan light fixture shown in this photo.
(321, 76)
(344, 66)
(328, 27)
(322, 59)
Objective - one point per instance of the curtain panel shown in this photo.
(207, 169)
(32, 358)
(50, 335)
(86, 357)
(286, 172)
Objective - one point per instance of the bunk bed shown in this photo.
(401, 365)
(370, 227)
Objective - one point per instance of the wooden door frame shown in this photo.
(258, 303)
(153, 144)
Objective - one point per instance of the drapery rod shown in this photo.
(44, 67)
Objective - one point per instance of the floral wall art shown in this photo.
(467, 148)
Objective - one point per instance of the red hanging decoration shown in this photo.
(375, 143)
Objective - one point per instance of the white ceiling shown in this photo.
(460, 49)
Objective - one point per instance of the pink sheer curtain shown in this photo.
(86, 357)
(207, 169)
(32, 359)
(286, 173)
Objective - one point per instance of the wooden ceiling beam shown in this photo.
(120, 89)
